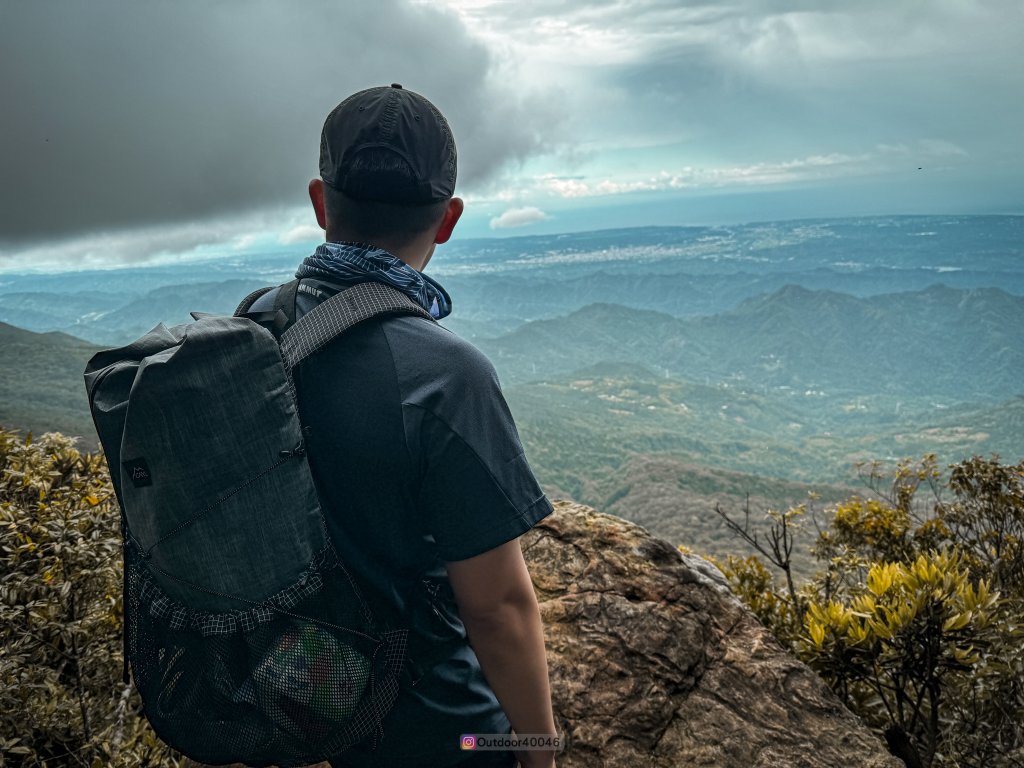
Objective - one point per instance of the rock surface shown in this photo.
(655, 663)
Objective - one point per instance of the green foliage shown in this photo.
(916, 619)
(751, 579)
(894, 647)
(986, 519)
(62, 697)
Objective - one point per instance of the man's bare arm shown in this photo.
(497, 604)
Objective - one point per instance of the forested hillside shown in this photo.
(959, 344)
(41, 386)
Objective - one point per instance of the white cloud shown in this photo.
(103, 250)
(245, 242)
(734, 83)
(160, 244)
(885, 158)
(303, 233)
(518, 217)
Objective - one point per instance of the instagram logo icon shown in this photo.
(467, 741)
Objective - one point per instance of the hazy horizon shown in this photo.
(268, 245)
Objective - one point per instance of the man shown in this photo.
(416, 457)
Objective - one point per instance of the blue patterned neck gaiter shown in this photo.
(354, 263)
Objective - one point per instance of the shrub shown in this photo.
(916, 617)
(63, 696)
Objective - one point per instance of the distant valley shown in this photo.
(654, 372)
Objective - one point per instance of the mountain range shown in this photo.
(500, 284)
(942, 342)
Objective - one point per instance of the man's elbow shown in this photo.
(494, 587)
(505, 610)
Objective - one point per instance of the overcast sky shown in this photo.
(137, 130)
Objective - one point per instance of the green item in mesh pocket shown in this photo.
(312, 677)
(248, 639)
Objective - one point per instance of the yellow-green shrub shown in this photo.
(63, 701)
(916, 618)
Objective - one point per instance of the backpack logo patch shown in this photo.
(138, 472)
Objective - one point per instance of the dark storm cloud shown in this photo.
(121, 114)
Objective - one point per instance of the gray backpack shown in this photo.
(248, 639)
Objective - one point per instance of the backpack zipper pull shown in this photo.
(298, 451)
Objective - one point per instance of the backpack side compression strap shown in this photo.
(337, 314)
(284, 302)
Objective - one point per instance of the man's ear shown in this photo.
(316, 197)
(451, 218)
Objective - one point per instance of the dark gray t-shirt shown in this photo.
(417, 462)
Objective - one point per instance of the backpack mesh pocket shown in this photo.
(266, 685)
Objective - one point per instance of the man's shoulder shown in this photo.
(426, 349)
(439, 340)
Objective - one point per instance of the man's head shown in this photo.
(388, 168)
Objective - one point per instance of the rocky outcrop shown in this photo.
(655, 663)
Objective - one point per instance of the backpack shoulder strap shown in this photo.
(316, 329)
(285, 301)
(337, 314)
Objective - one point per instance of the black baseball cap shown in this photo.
(398, 121)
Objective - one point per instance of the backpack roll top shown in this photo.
(108, 381)
(200, 503)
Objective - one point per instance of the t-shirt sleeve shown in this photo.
(477, 489)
